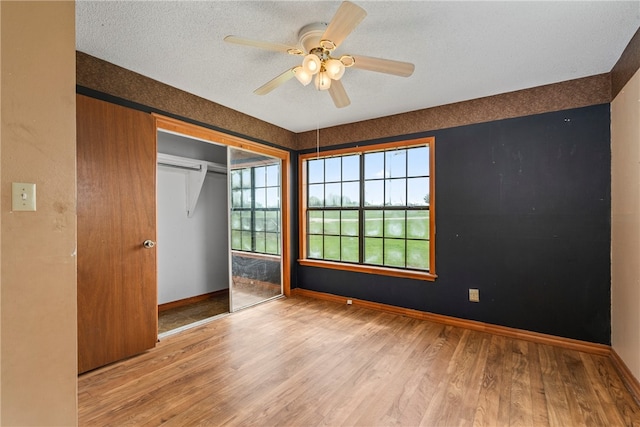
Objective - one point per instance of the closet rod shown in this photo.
(191, 168)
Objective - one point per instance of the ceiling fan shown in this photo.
(318, 42)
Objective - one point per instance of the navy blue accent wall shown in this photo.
(523, 214)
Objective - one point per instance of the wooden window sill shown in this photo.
(383, 271)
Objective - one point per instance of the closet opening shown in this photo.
(192, 218)
(221, 224)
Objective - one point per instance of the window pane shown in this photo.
(315, 222)
(395, 164)
(332, 169)
(331, 223)
(236, 198)
(260, 177)
(373, 251)
(349, 223)
(246, 241)
(246, 220)
(235, 220)
(273, 243)
(261, 243)
(316, 195)
(350, 249)
(259, 221)
(418, 161)
(315, 247)
(236, 179)
(418, 225)
(394, 253)
(395, 192)
(418, 191)
(373, 193)
(246, 178)
(373, 223)
(273, 175)
(351, 194)
(418, 254)
(332, 247)
(261, 198)
(394, 224)
(246, 198)
(236, 240)
(374, 165)
(351, 168)
(332, 195)
(316, 170)
(273, 197)
(272, 221)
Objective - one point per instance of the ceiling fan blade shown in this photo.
(346, 19)
(388, 66)
(274, 83)
(338, 94)
(276, 47)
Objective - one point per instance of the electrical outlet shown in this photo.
(474, 295)
(349, 302)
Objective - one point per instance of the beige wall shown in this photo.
(625, 224)
(38, 263)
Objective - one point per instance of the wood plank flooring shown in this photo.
(304, 362)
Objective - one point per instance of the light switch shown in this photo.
(23, 196)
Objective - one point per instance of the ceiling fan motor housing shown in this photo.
(309, 36)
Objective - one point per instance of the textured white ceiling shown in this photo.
(462, 50)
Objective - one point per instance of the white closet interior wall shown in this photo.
(192, 251)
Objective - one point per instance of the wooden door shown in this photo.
(117, 286)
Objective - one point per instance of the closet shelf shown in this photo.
(196, 171)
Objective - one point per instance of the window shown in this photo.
(255, 216)
(370, 210)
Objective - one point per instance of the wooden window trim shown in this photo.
(380, 270)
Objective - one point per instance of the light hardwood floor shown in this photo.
(305, 362)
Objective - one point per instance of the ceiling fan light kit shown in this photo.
(311, 63)
(303, 76)
(318, 41)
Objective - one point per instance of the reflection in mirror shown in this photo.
(255, 227)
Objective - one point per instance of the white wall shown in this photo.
(192, 252)
(625, 224)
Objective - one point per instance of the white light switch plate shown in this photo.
(23, 196)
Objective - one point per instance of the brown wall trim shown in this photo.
(586, 347)
(577, 93)
(627, 65)
(191, 300)
(102, 76)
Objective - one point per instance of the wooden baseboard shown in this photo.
(587, 347)
(632, 383)
(191, 300)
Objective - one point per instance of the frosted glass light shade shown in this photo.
(335, 69)
(302, 76)
(311, 64)
(323, 81)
